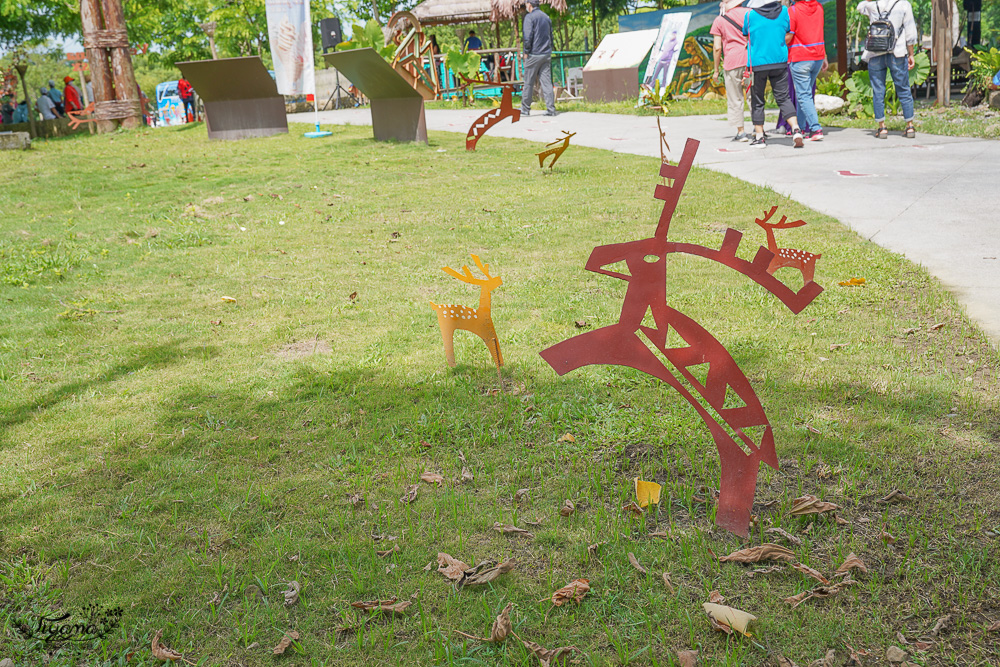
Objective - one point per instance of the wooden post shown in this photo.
(100, 73)
(842, 37)
(942, 49)
(126, 89)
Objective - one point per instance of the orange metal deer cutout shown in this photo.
(493, 116)
(556, 148)
(680, 352)
(798, 259)
(76, 118)
(479, 321)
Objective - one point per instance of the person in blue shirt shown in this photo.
(21, 112)
(473, 43)
(995, 84)
(56, 96)
(767, 54)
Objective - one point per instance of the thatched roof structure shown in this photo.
(443, 12)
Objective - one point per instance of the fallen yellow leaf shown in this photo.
(734, 619)
(647, 493)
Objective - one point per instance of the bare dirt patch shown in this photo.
(302, 349)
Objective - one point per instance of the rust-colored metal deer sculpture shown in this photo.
(479, 321)
(673, 346)
(798, 259)
(493, 116)
(555, 148)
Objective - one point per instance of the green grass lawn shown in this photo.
(207, 350)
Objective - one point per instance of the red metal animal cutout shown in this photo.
(555, 148)
(804, 261)
(493, 116)
(479, 321)
(674, 348)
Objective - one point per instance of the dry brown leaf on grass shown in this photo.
(432, 478)
(829, 660)
(635, 562)
(356, 500)
(667, 582)
(785, 534)
(388, 552)
(520, 494)
(632, 508)
(451, 568)
(292, 594)
(887, 537)
(484, 573)
(819, 592)
(567, 508)
(942, 624)
(510, 529)
(764, 570)
(391, 606)
(715, 597)
(548, 657)
(663, 535)
(687, 658)
(766, 551)
(856, 654)
(593, 548)
(852, 562)
(895, 496)
(727, 619)
(994, 628)
(567, 437)
(501, 627)
(574, 590)
(809, 572)
(286, 641)
(164, 652)
(410, 494)
(467, 476)
(785, 662)
(811, 505)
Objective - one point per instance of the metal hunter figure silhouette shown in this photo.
(674, 348)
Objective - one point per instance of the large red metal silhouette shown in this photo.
(671, 346)
(493, 116)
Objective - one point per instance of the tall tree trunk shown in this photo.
(100, 72)
(942, 49)
(126, 90)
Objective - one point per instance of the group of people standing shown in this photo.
(761, 41)
(50, 104)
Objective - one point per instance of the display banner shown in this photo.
(666, 49)
(291, 46)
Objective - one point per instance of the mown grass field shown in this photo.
(184, 457)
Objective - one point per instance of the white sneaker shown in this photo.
(797, 139)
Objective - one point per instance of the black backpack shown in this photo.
(881, 33)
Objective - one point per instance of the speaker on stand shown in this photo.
(331, 35)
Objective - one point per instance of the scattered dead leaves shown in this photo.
(484, 573)
(393, 606)
(520, 494)
(807, 504)
(594, 548)
(785, 534)
(548, 657)
(632, 508)
(829, 660)
(163, 652)
(635, 562)
(410, 494)
(432, 478)
(292, 594)
(819, 592)
(715, 597)
(501, 627)
(896, 496)
(727, 619)
(567, 508)
(567, 437)
(467, 476)
(994, 628)
(887, 537)
(852, 562)
(809, 572)
(510, 529)
(388, 552)
(668, 583)
(451, 568)
(356, 500)
(765, 551)
(286, 641)
(687, 658)
(574, 590)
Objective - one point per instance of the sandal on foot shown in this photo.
(910, 132)
(882, 133)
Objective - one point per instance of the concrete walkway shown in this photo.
(934, 199)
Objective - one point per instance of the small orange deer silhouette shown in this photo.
(798, 259)
(478, 321)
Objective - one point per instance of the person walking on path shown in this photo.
(767, 56)
(186, 93)
(56, 97)
(731, 45)
(806, 58)
(537, 31)
(71, 96)
(897, 62)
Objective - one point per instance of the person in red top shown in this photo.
(806, 59)
(71, 96)
(186, 93)
(731, 46)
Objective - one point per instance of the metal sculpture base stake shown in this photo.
(673, 346)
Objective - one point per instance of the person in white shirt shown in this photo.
(897, 62)
(45, 105)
